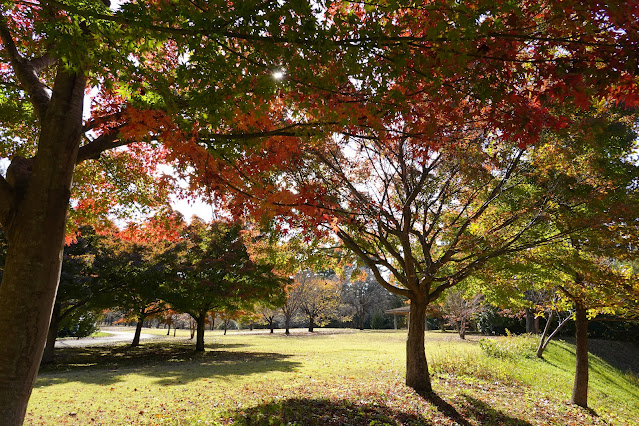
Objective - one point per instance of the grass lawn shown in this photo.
(353, 378)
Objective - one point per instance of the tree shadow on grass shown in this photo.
(445, 408)
(487, 415)
(173, 363)
(623, 356)
(320, 412)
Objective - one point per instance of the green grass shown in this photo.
(346, 378)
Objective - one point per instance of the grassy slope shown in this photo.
(354, 378)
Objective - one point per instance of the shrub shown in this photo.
(523, 346)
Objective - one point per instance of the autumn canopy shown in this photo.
(410, 130)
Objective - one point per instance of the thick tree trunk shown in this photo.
(311, 324)
(52, 335)
(580, 388)
(417, 376)
(287, 325)
(34, 216)
(271, 324)
(199, 341)
(138, 330)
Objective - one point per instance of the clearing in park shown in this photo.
(332, 377)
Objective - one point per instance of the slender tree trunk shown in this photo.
(462, 329)
(33, 202)
(138, 330)
(168, 330)
(417, 376)
(52, 335)
(271, 324)
(226, 326)
(201, 323)
(543, 342)
(361, 319)
(530, 321)
(193, 327)
(311, 324)
(580, 388)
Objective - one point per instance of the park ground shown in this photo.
(331, 377)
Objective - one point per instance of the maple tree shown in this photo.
(53, 54)
(594, 176)
(83, 284)
(426, 173)
(320, 297)
(213, 272)
(138, 272)
(460, 309)
(267, 315)
(361, 292)
(292, 304)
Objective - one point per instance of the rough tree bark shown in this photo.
(416, 366)
(580, 388)
(33, 207)
(201, 323)
(52, 335)
(287, 325)
(138, 330)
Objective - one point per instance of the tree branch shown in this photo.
(105, 142)
(25, 71)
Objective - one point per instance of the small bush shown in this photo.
(510, 347)
(79, 326)
(456, 362)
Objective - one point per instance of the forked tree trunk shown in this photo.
(52, 335)
(199, 341)
(580, 388)
(545, 337)
(417, 376)
(34, 205)
(138, 330)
